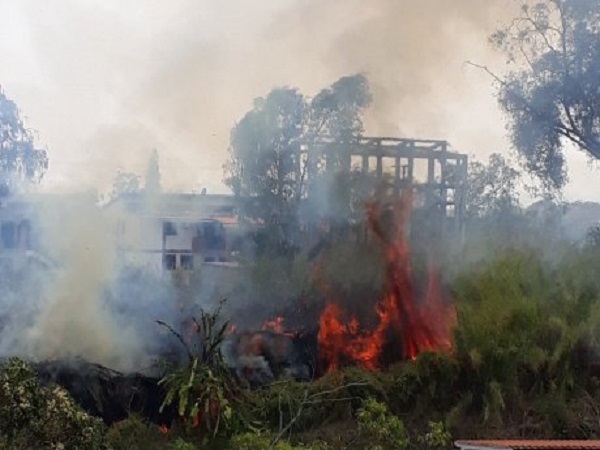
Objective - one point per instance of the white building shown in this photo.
(175, 231)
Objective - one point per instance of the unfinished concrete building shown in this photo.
(436, 175)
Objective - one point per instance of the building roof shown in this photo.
(178, 205)
(529, 445)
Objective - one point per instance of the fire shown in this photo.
(275, 324)
(163, 429)
(421, 324)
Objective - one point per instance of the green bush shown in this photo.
(180, 444)
(378, 428)
(262, 441)
(205, 393)
(134, 433)
(437, 436)
(35, 416)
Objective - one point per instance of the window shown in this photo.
(8, 235)
(169, 229)
(214, 236)
(170, 261)
(187, 262)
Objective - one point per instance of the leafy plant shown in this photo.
(262, 441)
(436, 437)
(379, 428)
(36, 416)
(203, 388)
(180, 444)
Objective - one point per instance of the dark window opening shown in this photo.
(8, 235)
(170, 261)
(209, 259)
(169, 229)
(187, 262)
(214, 236)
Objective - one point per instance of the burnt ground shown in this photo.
(105, 393)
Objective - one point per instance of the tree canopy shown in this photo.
(492, 188)
(125, 183)
(20, 159)
(266, 161)
(551, 94)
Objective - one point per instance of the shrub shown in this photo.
(203, 390)
(180, 444)
(35, 416)
(437, 436)
(262, 441)
(378, 428)
(134, 433)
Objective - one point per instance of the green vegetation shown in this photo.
(35, 416)
(525, 364)
(203, 390)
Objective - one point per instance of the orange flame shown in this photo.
(275, 324)
(421, 326)
(163, 429)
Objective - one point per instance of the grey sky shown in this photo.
(105, 81)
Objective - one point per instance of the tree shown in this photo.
(552, 93)
(492, 188)
(20, 159)
(125, 183)
(266, 163)
(153, 174)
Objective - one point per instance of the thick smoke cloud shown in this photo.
(177, 76)
(180, 74)
(73, 298)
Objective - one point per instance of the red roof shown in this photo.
(531, 444)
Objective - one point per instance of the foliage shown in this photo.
(203, 389)
(379, 428)
(424, 386)
(436, 437)
(492, 188)
(520, 324)
(551, 95)
(20, 159)
(35, 416)
(266, 162)
(262, 441)
(593, 236)
(180, 444)
(134, 433)
(125, 183)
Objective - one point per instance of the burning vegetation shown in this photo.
(404, 320)
(381, 292)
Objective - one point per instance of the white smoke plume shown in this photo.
(72, 298)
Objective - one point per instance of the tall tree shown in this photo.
(153, 174)
(266, 162)
(20, 160)
(551, 94)
(492, 188)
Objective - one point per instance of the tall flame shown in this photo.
(423, 324)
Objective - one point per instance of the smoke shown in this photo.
(72, 321)
(104, 82)
(75, 298)
(177, 76)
